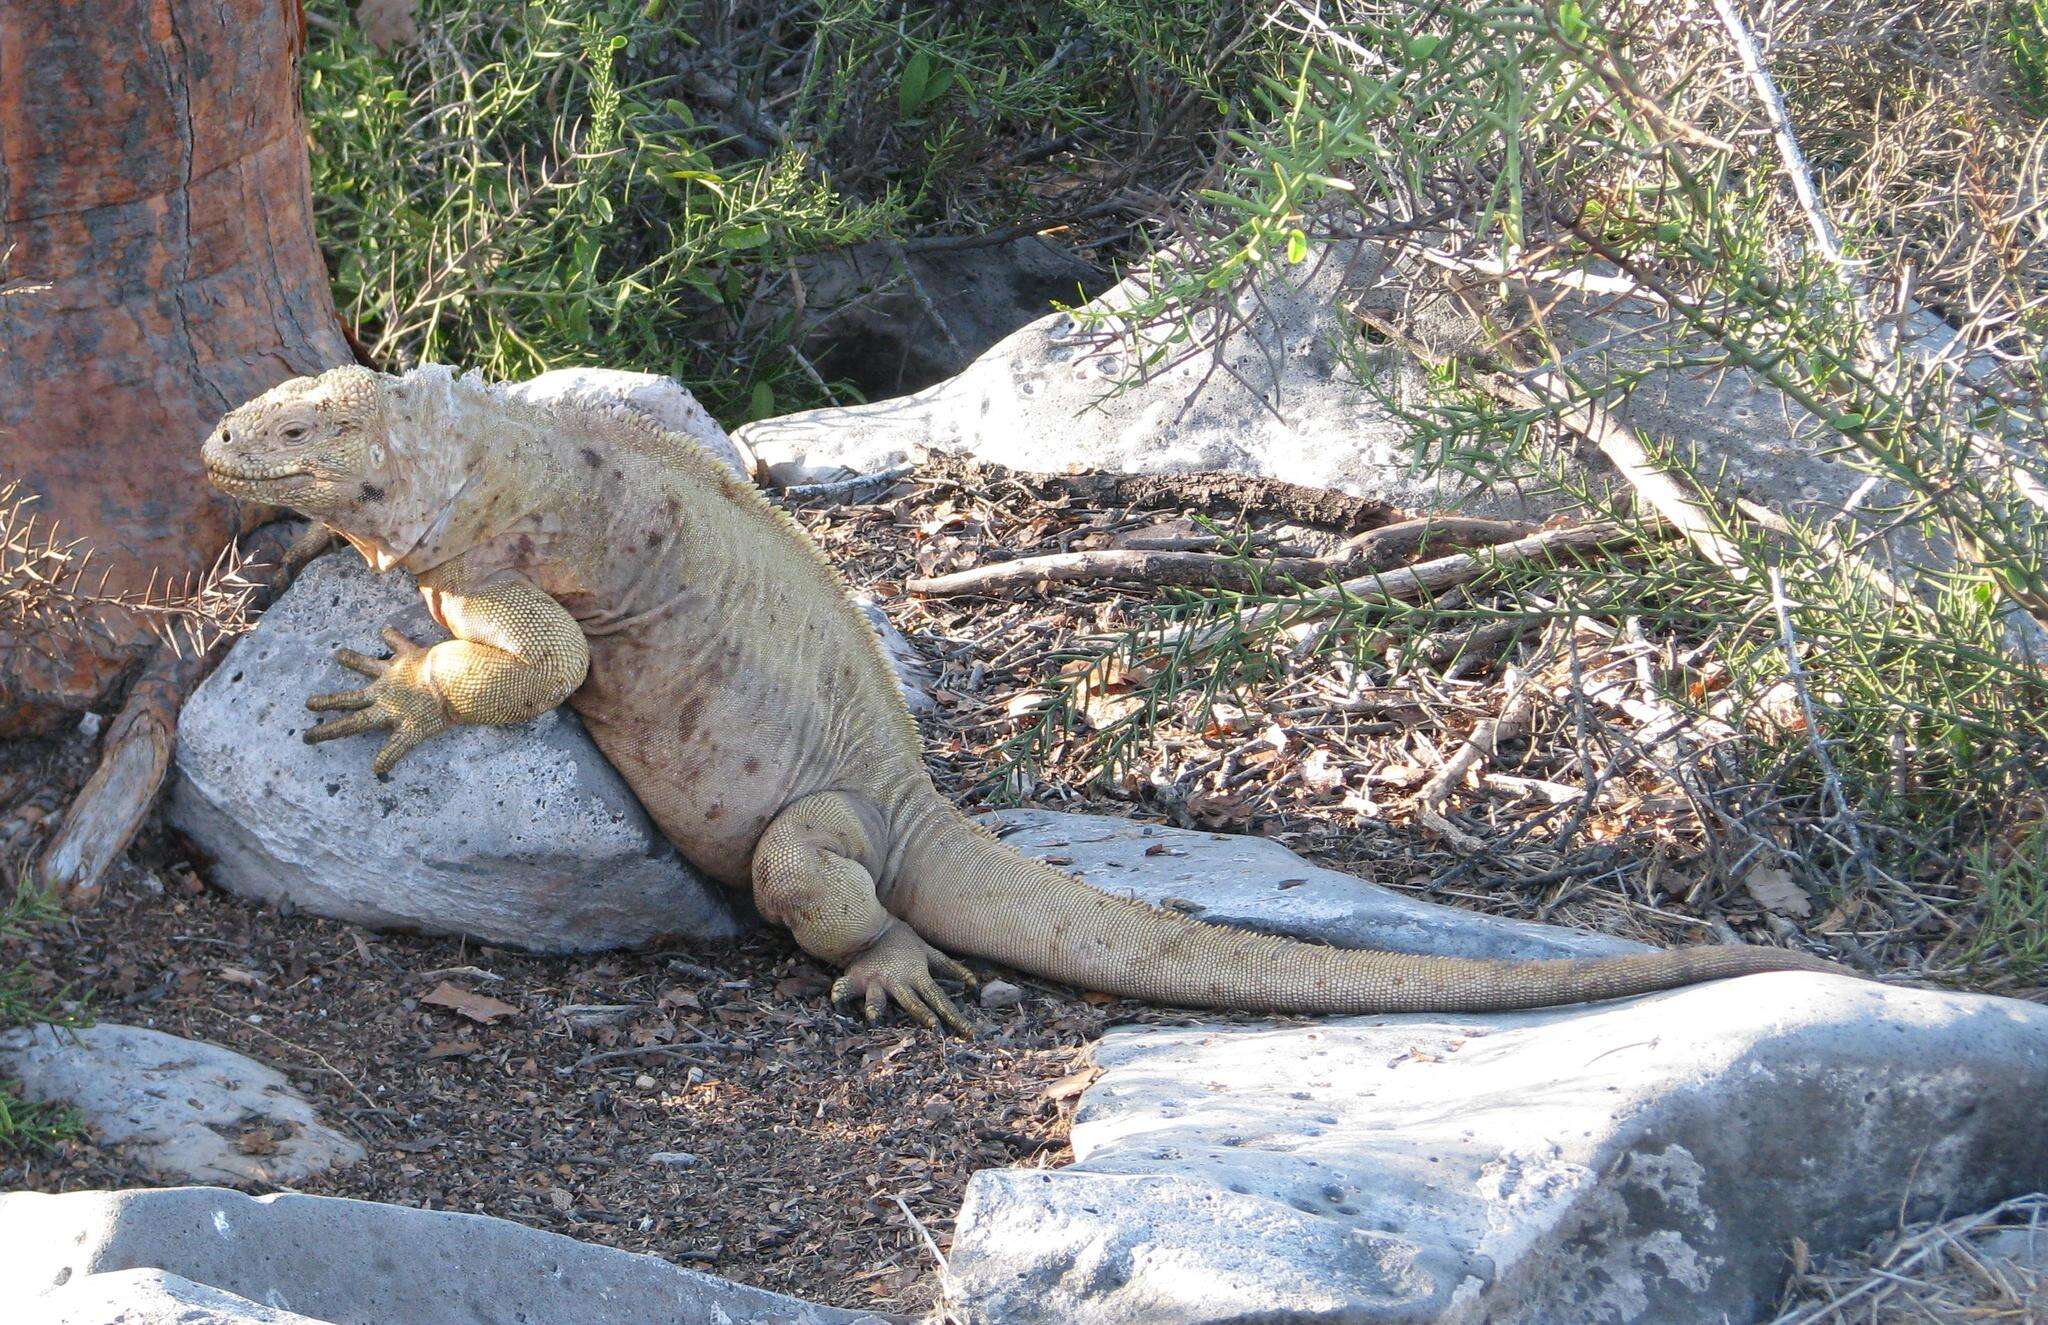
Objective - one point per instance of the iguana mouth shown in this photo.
(256, 474)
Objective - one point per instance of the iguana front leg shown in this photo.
(808, 876)
(516, 654)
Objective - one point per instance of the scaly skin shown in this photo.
(583, 554)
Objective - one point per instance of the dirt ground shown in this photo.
(800, 1143)
(804, 1127)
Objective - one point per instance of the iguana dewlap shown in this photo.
(581, 553)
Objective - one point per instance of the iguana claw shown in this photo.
(900, 965)
(398, 699)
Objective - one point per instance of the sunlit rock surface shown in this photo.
(1649, 1161)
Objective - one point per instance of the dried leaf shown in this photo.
(1320, 772)
(388, 23)
(1773, 888)
(479, 1008)
(1108, 690)
(1070, 1085)
(449, 1049)
(257, 1141)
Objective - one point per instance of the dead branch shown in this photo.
(1376, 549)
(1205, 570)
(1430, 802)
(1427, 579)
(1240, 494)
(136, 752)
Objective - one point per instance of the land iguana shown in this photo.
(582, 553)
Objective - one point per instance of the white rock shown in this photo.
(175, 1106)
(1256, 883)
(359, 1261)
(146, 1297)
(1649, 1160)
(662, 398)
(1278, 400)
(1043, 399)
(997, 994)
(515, 835)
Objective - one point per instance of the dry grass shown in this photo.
(48, 590)
(1988, 1267)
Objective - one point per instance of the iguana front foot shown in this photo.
(400, 698)
(900, 965)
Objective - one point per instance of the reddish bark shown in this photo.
(153, 177)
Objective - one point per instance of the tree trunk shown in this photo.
(156, 230)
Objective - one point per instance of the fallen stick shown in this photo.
(1242, 494)
(136, 751)
(1205, 570)
(1425, 579)
(1666, 493)
(1430, 802)
(845, 488)
(1376, 549)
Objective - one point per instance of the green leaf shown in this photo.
(913, 92)
(1297, 246)
(744, 237)
(1572, 20)
(761, 404)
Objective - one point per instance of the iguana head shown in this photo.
(344, 449)
(312, 444)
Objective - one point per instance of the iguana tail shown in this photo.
(972, 894)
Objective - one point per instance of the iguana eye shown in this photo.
(293, 431)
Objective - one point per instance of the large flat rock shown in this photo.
(521, 835)
(1256, 883)
(360, 1263)
(1649, 1161)
(185, 1110)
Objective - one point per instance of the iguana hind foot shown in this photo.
(899, 966)
(810, 876)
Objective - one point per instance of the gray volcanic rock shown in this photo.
(359, 1263)
(176, 1106)
(1256, 883)
(663, 399)
(1649, 1160)
(146, 1297)
(1279, 400)
(521, 835)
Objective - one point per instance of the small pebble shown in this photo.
(675, 1159)
(1001, 994)
(644, 1081)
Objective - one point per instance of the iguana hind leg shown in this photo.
(808, 876)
